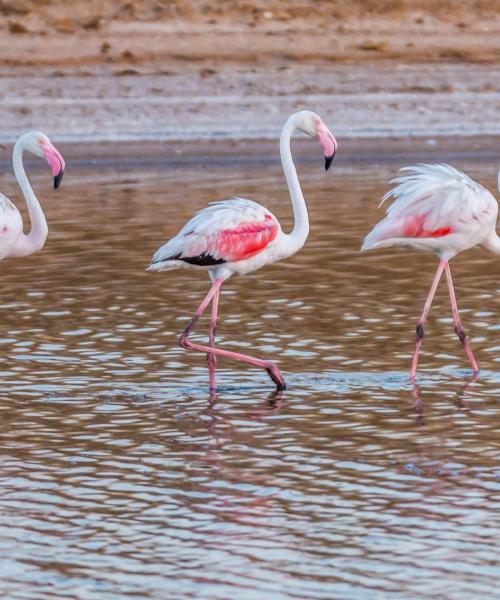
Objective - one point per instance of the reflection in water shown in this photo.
(121, 476)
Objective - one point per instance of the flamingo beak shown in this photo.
(55, 161)
(328, 161)
(58, 179)
(328, 143)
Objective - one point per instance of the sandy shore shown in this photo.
(161, 33)
(240, 103)
(187, 71)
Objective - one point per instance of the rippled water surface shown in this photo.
(119, 479)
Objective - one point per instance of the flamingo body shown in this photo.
(13, 240)
(240, 236)
(11, 226)
(231, 236)
(438, 208)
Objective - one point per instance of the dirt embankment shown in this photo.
(133, 33)
(128, 70)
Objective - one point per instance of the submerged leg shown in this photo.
(459, 330)
(423, 317)
(185, 342)
(211, 358)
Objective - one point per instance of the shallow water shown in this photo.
(120, 480)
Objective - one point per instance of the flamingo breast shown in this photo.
(11, 226)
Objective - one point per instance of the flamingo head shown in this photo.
(312, 125)
(39, 144)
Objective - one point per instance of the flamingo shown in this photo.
(441, 209)
(13, 241)
(241, 236)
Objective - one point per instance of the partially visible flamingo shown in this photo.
(13, 241)
(240, 236)
(441, 209)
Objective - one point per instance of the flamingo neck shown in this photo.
(35, 239)
(300, 231)
(492, 243)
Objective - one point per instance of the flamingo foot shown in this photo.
(275, 374)
(462, 336)
(212, 351)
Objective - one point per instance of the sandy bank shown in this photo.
(164, 32)
(188, 71)
(236, 102)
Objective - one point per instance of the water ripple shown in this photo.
(120, 477)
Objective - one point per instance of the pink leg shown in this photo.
(186, 343)
(420, 325)
(211, 358)
(459, 330)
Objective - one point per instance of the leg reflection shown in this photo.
(418, 404)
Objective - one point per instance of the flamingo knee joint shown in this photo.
(462, 336)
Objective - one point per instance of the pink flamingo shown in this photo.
(13, 241)
(240, 236)
(438, 208)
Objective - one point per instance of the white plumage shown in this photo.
(11, 226)
(229, 236)
(13, 240)
(436, 207)
(439, 208)
(201, 233)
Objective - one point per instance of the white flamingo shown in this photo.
(13, 241)
(240, 236)
(441, 209)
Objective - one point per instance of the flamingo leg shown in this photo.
(459, 330)
(211, 358)
(185, 342)
(423, 317)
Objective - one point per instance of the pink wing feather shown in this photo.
(227, 231)
(433, 201)
(245, 240)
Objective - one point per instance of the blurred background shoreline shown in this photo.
(164, 71)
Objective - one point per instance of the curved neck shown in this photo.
(492, 243)
(300, 229)
(35, 239)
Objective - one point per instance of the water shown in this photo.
(118, 479)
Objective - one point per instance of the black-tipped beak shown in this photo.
(328, 161)
(58, 179)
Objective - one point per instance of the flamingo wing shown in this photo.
(431, 203)
(227, 231)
